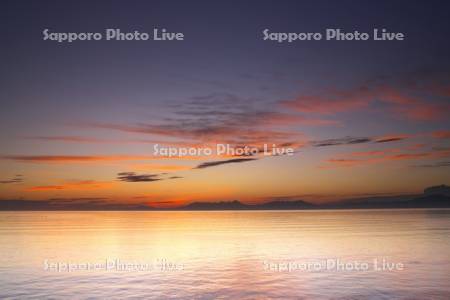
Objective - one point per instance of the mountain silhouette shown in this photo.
(432, 197)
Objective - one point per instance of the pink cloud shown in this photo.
(412, 103)
(382, 156)
(441, 134)
(331, 102)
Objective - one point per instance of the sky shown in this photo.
(80, 120)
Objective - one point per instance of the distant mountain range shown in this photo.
(236, 205)
(432, 197)
(432, 201)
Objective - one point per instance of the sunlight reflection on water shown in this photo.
(225, 254)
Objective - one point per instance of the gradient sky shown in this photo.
(79, 120)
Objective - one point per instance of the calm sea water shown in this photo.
(377, 254)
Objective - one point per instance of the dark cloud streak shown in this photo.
(348, 140)
(341, 141)
(222, 162)
(434, 165)
(16, 179)
(133, 177)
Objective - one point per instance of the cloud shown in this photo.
(331, 101)
(204, 132)
(73, 158)
(441, 134)
(159, 167)
(369, 153)
(72, 200)
(389, 155)
(420, 102)
(76, 139)
(47, 188)
(391, 138)
(91, 140)
(133, 177)
(441, 149)
(222, 162)
(402, 156)
(16, 179)
(73, 185)
(200, 121)
(341, 141)
(434, 165)
(358, 140)
(83, 139)
(224, 118)
(345, 162)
